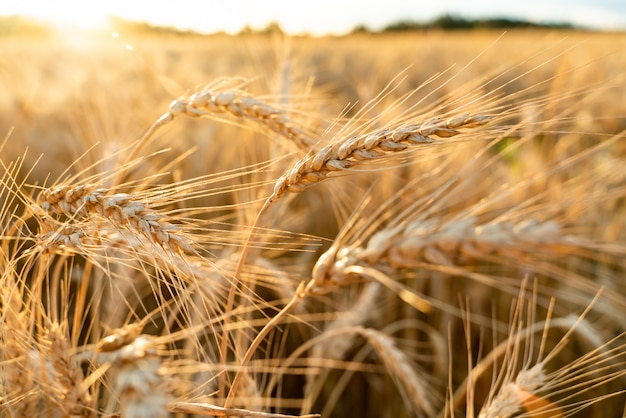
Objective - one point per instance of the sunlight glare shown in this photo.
(67, 15)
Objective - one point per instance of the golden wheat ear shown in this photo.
(215, 101)
(138, 374)
(350, 152)
(120, 209)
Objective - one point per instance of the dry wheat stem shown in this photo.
(286, 310)
(230, 300)
(218, 411)
(347, 153)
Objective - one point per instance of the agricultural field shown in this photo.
(419, 224)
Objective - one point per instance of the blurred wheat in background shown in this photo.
(424, 224)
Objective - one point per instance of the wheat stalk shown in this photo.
(198, 408)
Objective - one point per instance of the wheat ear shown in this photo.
(139, 379)
(414, 387)
(451, 243)
(216, 100)
(72, 398)
(121, 209)
(347, 153)
(237, 104)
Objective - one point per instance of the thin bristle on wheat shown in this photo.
(240, 105)
(347, 153)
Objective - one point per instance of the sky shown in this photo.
(315, 17)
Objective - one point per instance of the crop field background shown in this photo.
(420, 224)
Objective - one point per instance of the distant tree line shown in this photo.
(452, 22)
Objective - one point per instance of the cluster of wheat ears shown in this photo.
(458, 257)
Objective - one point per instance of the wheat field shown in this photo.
(425, 224)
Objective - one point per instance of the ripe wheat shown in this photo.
(181, 282)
